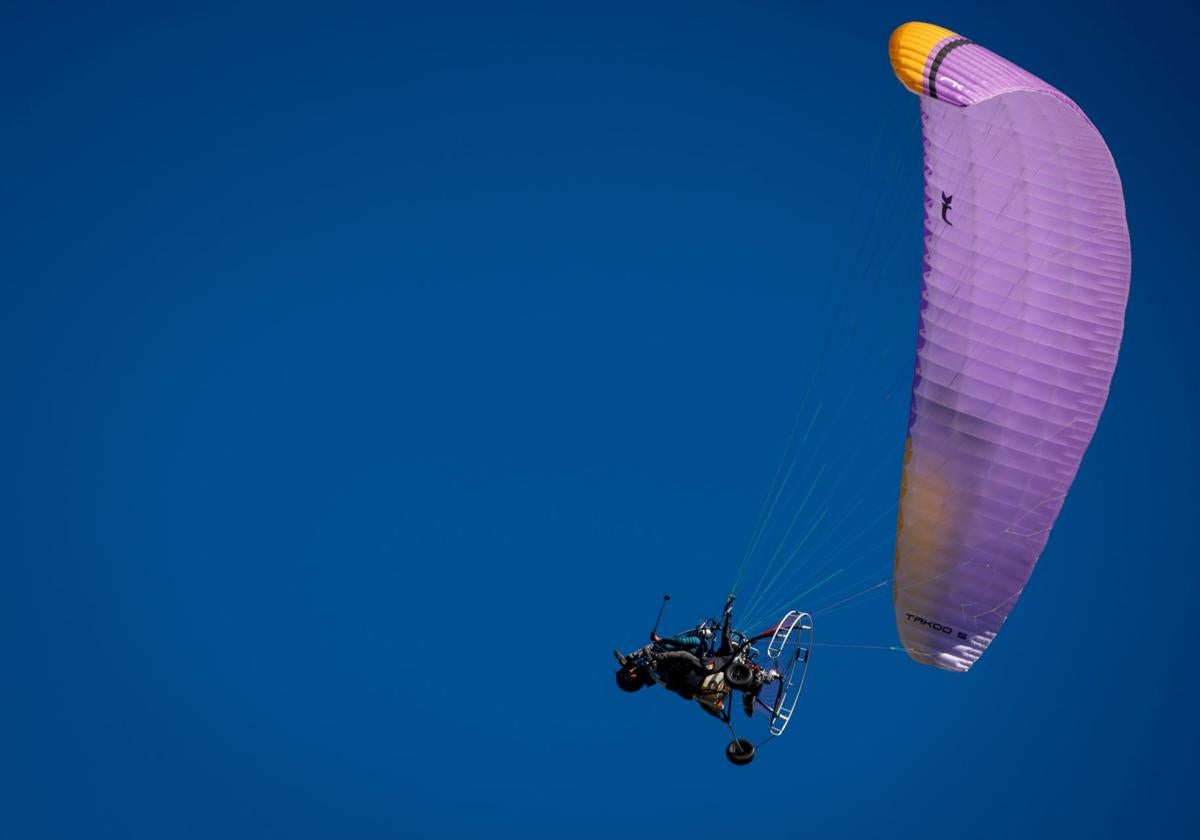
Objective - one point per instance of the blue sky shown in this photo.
(369, 373)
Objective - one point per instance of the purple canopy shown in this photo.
(1024, 284)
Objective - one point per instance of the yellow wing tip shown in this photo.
(909, 48)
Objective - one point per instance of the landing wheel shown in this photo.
(739, 675)
(740, 751)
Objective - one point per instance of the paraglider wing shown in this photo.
(1025, 280)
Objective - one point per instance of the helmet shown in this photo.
(630, 678)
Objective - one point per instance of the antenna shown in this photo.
(654, 632)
